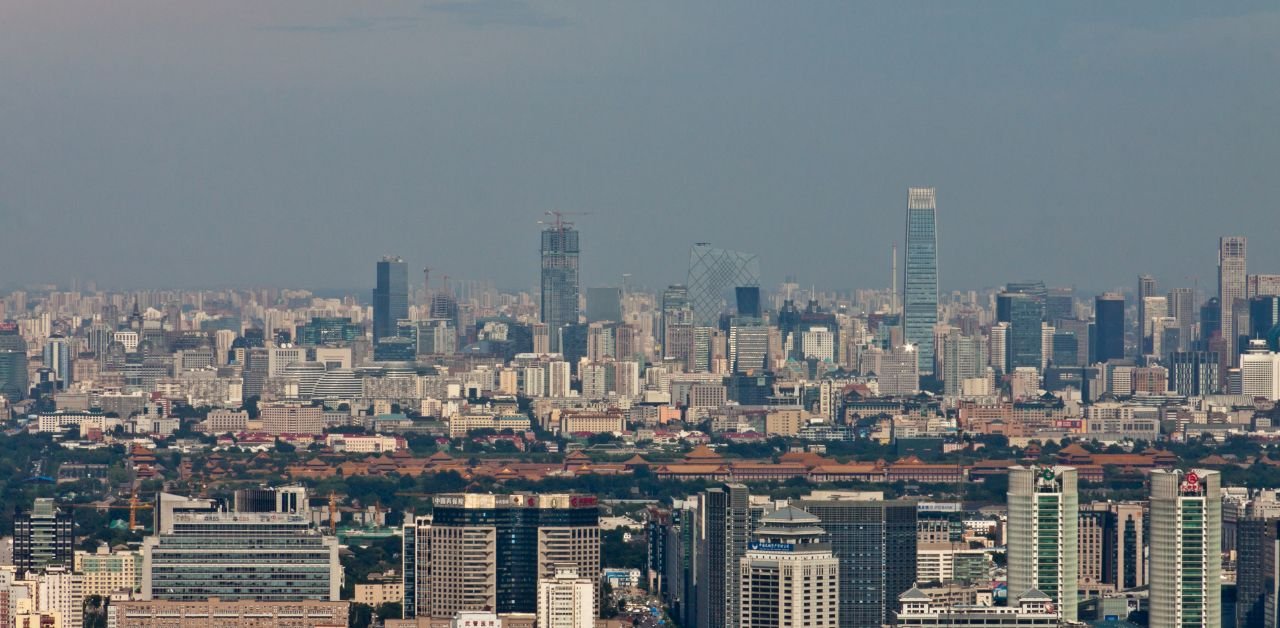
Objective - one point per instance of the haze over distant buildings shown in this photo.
(239, 143)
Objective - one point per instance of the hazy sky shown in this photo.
(293, 142)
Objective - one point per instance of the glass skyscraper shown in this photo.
(875, 543)
(559, 279)
(13, 363)
(920, 282)
(1023, 342)
(1108, 311)
(713, 276)
(390, 297)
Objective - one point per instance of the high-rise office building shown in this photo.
(1186, 548)
(1108, 333)
(920, 275)
(1146, 288)
(1154, 309)
(747, 299)
(998, 347)
(714, 274)
(43, 537)
(390, 297)
(604, 304)
(1024, 340)
(723, 529)
(1210, 319)
(1264, 320)
(13, 363)
(964, 357)
(748, 345)
(1194, 373)
(57, 357)
(1260, 372)
(491, 552)
(1065, 350)
(1044, 515)
(1182, 307)
(566, 599)
(789, 575)
(1059, 304)
(875, 544)
(1256, 548)
(1033, 287)
(676, 310)
(1113, 545)
(1232, 279)
(264, 556)
(559, 278)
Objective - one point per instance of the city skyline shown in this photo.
(1043, 124)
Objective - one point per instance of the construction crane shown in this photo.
(134, 505)
(560, 224)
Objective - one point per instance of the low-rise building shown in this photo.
(365, 443)
(379, 593)
(106, 572)
(216, 613)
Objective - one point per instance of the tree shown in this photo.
(95, 612)
(361, 616)
(251, 406)
(389, 610)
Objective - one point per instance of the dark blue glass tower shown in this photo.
(390, 297)
(1024, 341)
(1109, 327)
(559, 278)
(920, 282)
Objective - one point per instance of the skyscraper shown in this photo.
(390, 297)
(604, 304)
(1264, 320)
(1025, 336)
(57, 356)
(1108, 332)
(13, 363)
(1186, 548)
(789, 575)
(676, 333)
(559, 278)
(1232, 279)
(875, 544)
(1118, 558)
(1194, 373)
(566, 600)
(748, 345)
(263, 556)
(964, 358)
(724, 523)
(43, 537)
(920, 276)
(491, 552)
(1182, 307)
(1044, 515)
(1146, 288)
(714, 274)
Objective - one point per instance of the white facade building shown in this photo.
(1186, 548)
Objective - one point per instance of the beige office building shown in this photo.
(490, 552)
(105, 573)
(215, 613)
